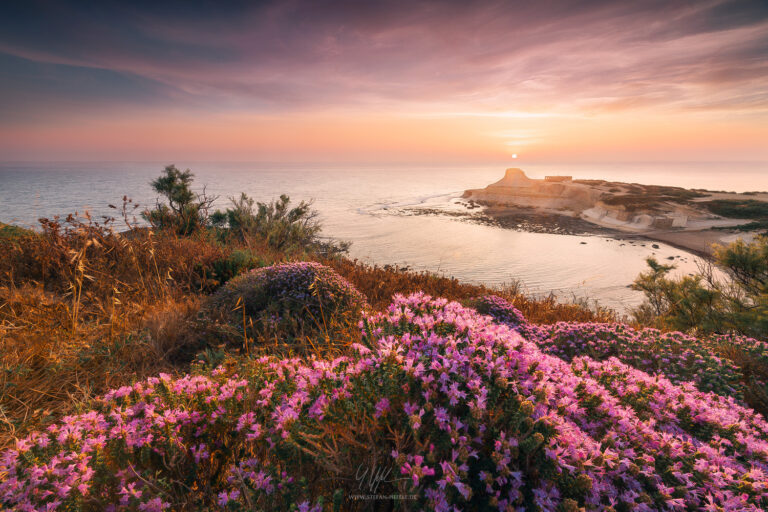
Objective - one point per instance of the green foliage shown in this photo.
(175, 185)
(240, 219)
(752, 209)
(223, 269)
(703, 303)
(685, 304)
(654, 284)
(758, 225)
(747, 267)
(281, 225)
(649, 196)
(186, 211)
(11, 233)
(746, 263)
(738, 208)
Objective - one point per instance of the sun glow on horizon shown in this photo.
(379, 84)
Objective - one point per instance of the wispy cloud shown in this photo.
(494, 59)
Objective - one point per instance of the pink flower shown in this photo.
(382, 406)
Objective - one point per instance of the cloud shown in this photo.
(484, 56)
(492, 65)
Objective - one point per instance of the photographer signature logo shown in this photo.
(369, 479)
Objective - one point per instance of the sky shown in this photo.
(409, 81)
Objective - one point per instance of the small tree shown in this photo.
(747, 266)
(654, 284)
(706, 303)
(185, 211)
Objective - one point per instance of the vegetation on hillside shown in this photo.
(752, 209)
(303, 300)
(644, 197)
(278, 223)
(236, 360)
(706, 302)
(457, 411)
(738, 208)
(184, 211)
(9, 232)
(88, 305)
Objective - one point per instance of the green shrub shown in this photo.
(281, 225)
(738, 208)
(704, 303)
(224, 269)
(11, 233)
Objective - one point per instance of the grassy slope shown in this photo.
(752, 209)
(83, 310)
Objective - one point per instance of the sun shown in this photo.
(514, 155)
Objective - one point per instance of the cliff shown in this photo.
(517, 189)
(629, 207)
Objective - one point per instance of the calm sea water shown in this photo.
(365, 205)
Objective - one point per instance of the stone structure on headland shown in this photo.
(586, 199)
(517, 189)
(674, 215)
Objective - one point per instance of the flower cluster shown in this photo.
(291, 296)
(465, 412)
(676, 356)
(611, 435)
(500, 309)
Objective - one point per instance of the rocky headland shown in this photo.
(690, 219)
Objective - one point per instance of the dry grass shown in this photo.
(380, 283)
(47, 368)
(170, 326)
(83, 309)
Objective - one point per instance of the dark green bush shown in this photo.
(223, 269)
(280, 224)
(738, 208)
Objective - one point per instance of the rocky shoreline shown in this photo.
(532, 221)
(626, 211)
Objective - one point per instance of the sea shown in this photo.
(377, 208)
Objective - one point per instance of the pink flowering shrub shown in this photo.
(291, 298)
(677, 356)
(500, 309)
(503, 312)
(466, 413)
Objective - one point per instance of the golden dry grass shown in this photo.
(380, 283)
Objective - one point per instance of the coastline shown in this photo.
(537, 220)
(690, 219)
(699, 242)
